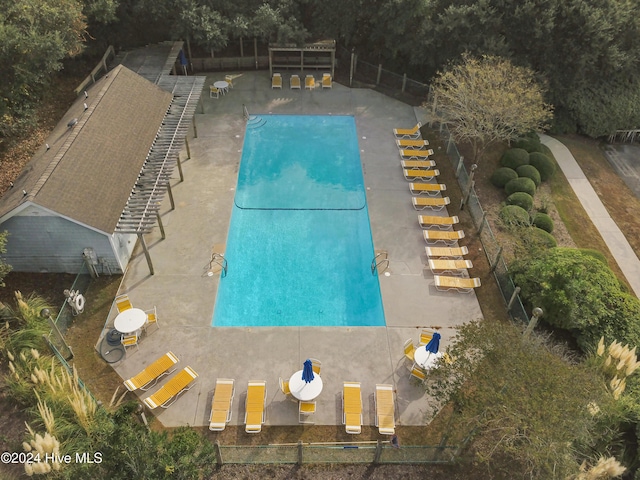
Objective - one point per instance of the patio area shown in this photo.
(185, 296)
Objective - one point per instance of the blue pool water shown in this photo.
(299, 247)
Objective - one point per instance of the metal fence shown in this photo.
(377, 75)
(353, 452)
(489, 242)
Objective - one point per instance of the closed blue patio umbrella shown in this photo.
(434, 344)
(307, 371)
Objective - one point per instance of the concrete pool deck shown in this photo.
(184, 295)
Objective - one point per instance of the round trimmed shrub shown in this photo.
(539, 236)
(520, 184)
(529, 144)
(501, 176)
(545, 165)
(543, 221)
(521, 199)
(514, 215)
(514, 158)
(529, 171)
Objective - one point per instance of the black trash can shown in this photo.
(113, 337)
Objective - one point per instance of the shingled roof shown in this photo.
(96, 152)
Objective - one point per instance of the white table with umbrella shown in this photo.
(426, 357)
(305, 386)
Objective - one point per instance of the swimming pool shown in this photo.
(299, 247)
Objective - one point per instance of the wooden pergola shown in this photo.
(142, 209)
(318, 55)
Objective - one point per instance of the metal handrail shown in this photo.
(374, 264)
(221, 261)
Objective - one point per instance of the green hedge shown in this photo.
(543, 221)
(514, 215)
(544, 164)
(521, 184)
(521, 199)
(530, 144)
(529, 171)
(541, 237)
(514, 158)
(501, 176)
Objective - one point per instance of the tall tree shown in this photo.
(488, 99)
(35, 37)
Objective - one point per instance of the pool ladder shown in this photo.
(380, 262)
(217, 264)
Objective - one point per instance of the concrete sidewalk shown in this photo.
(613, 237)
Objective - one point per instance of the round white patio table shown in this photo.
(305, 391)
(222, 85)
(424, 359)
(130, 320)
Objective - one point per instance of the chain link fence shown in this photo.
(492, 248)
(378, 76)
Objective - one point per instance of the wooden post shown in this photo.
(189, 51)
(299, 452)
(333, 62)
(404, 82)
(255, 50)
(465, 199)
(482, 220)
(351, 68)
(179, 163)
(241, 48)
(159, 218)
(376, 458)
(516, 291)
(379, 74)
(173, 205)
(186, 143)
(218, 452)
(146, 253)
(270, 63)
(537, 313)
(494, 264)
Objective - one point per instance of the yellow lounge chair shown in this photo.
(454, 252)
(276, 81)
(221, 404)
(420, 203)
(326, 81)
(448, 238)
(426, 221)
(148, 377)
(428, 188)
(449, 265)
(463, 285)
(294, 82)
(416, 174)
(169, 392)
(254, 415)
(309, 82)
(417, 164)
(417, 144)
(412, 133)
(352, 407)
(385, 409)
(123, 303)
(415, 154)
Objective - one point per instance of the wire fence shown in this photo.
(490, 244)
(378, 76)
(375, 452)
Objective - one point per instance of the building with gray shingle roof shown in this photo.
(70, 196)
